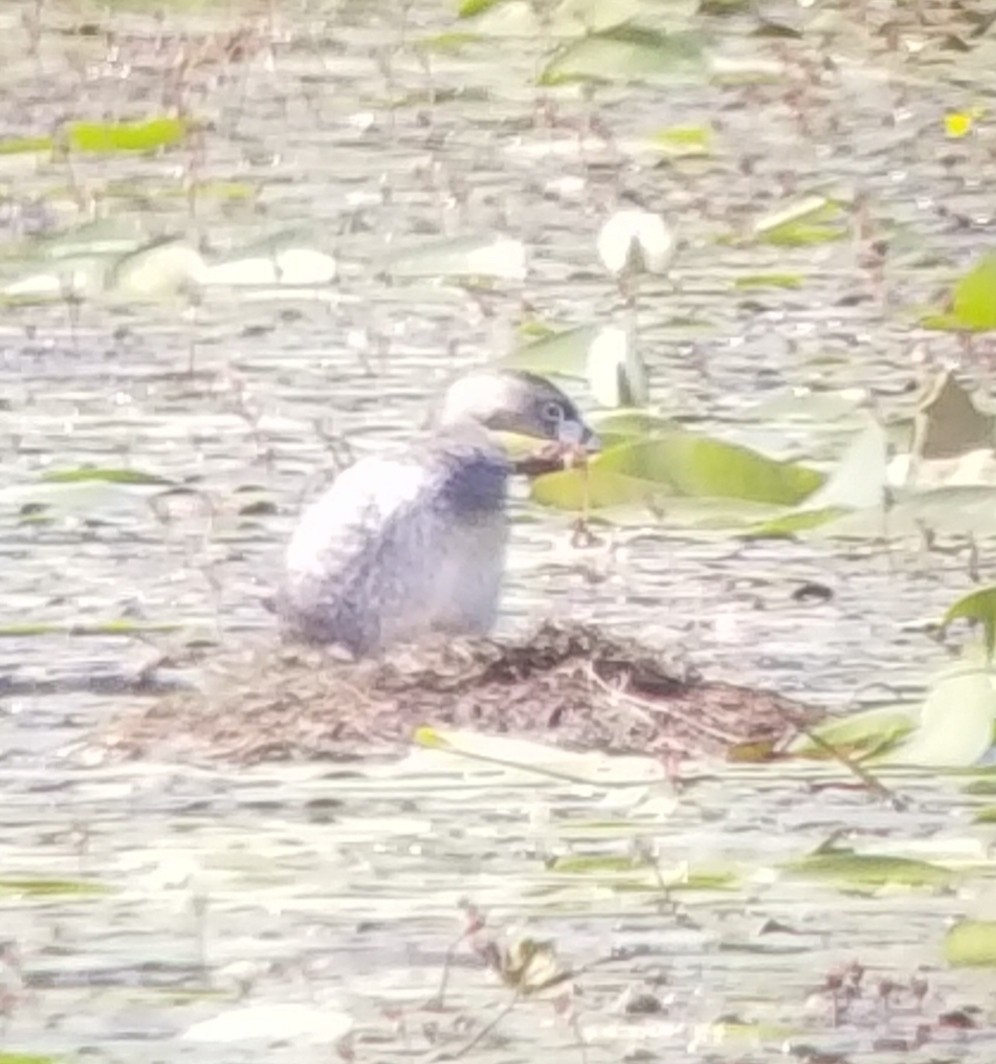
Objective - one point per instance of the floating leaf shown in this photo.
(562, 353)
(292, 266)
(973, 301)
(610, 865)
(978, 606)
(47, 888)
(467, 257)
(470, 8)
(859, 480)
(602, 864)
(955, 729)
(795, 521)
(18, 145)
(701, 466)
(107, 475)
(870, 870)
(678, 464)
(632, 424)
(125, 136)
(299, 1024)
(870, 731)
(159, 270)
(74, 278)
(545, 760)
(769, 280)
(681, 141)
(629, 53)
(616, 374)
(122, 626)
(971, 944)
(813, 220)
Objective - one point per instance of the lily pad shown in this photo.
(47, 888)
(971, 944)
(678, 464)
(292, 266)
(973, 301)
(977, 606)
(492, 256)
(562, 353)
(870, 731)
(616, 374)
(159, 270)
(812, 220)
(629, 53)
(106, 137)
(679, 142)
(863, 870)
(105, 475)
(955, 729)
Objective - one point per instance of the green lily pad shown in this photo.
(859, 733)
(678, 464)
(955, 729)
(629, 53)
(470, 8)
(971, 944)
(973, 301)
(680, 142)
(47, 888)
(103, 137)
(870, 870)
(105, 475)
(750, 281)
(19, 145)
(562, 353)
(489, 256)
(977, 606)
(813, 220)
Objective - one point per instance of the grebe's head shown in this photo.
(518, 404)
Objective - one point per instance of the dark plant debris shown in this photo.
(574, 686)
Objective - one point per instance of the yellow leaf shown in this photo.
(958, 123)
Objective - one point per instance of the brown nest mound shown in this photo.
(574, 686)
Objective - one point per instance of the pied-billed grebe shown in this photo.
(413, 541)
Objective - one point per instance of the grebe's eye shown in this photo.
(553, 412)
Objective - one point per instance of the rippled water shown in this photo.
(342, 888)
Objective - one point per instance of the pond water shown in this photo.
(359, 130)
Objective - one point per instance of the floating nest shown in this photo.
(571, 685)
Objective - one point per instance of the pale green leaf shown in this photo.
(971, 944)
(562, 353)
(490, 256)
(850, 869)
(869, 731)
(977, 606)
(629, 53)
(955, 729)
(126, 136)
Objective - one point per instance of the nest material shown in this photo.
(571, 685)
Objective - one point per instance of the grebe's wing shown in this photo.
(393, 548)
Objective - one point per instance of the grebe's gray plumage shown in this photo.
(413, 541)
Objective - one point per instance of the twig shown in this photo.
(646, 706)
